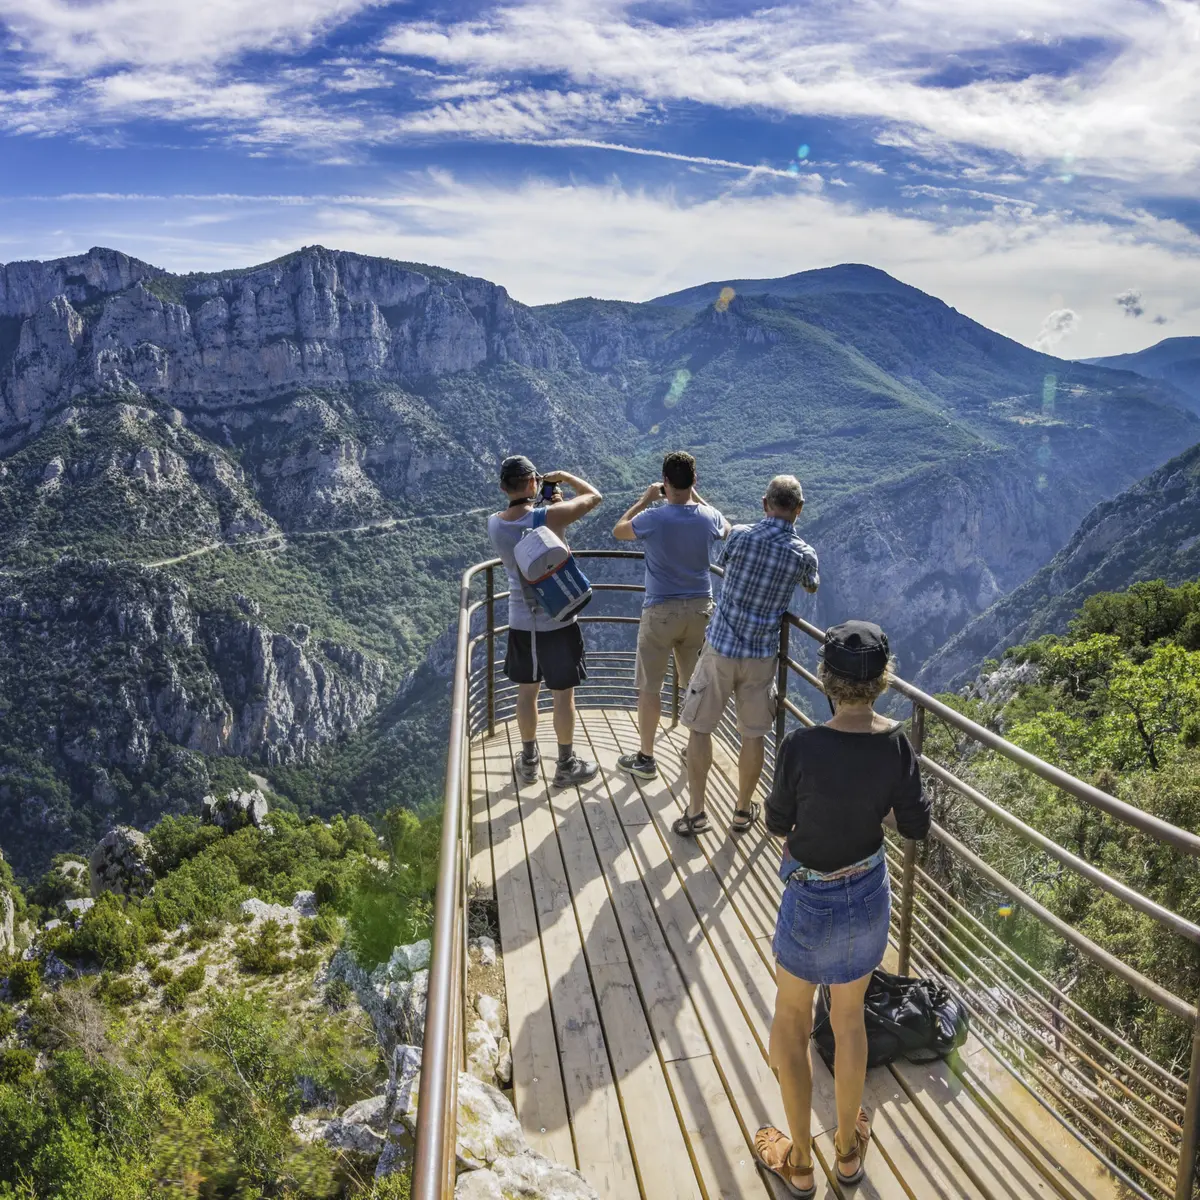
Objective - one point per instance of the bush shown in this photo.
(8, 1021)
(263, 952)
(16, 1065)
(175, 995)
(323, 930)
(121, 991)
(108, 935)
(161, 975)
(338, 995)
(191, 979)
(24, 979)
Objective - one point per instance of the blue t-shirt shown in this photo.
(676, 539)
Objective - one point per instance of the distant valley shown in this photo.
(145, 416)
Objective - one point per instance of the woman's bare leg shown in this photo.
(791, 1058)
(850, 1058)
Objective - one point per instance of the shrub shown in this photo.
(8, 1021)
(175, 995)
(323, 930)
(24, 979)
(121, 991)
(108, 936)
(16, 1065)
(338, 995)
(263, 952)
(191, 978)
(161, 975)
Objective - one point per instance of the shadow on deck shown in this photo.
(640, 989)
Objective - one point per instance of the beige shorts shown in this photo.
(751, 681)
(677, 625)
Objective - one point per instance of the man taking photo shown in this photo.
(541, 648)
(676, 538)
(764, 565)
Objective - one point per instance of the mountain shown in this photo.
(1175, 360)
(257, 487)
(1149, 531)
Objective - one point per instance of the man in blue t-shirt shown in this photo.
(676, 538)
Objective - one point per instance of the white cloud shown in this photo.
(73, 38)
(1138, 112)
(548, 241)
(518, 115)
(1056, 326)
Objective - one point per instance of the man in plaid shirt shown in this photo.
(764, 565)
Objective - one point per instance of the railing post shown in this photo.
(491, 650)
(781, 687)
(674, 688)
(908, 875)
(1186, 1174)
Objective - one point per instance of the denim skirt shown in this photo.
(836, 930)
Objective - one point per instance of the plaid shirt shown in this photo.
(764, 563)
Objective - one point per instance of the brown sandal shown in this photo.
(773, 1151)
(862, 1139)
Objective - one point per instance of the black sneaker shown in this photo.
(639, 764)
(527, 769)
(574, 770)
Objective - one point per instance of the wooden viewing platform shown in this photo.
(640, 990)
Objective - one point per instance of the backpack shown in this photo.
(550, 569)
(917, 1019)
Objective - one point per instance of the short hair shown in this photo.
(679, 469)
(841, 690)
(785, 492)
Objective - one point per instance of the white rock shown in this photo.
(404, 963)
(488, 1128)
(529, 1176)
(305, 903)
(260, 910)
(53, 924)
(79, 907)
(8, 941)
(486, 949)
(488, 1007)
(483, 1052)
(371, 1111)
(309, 1129)
(504, 1063)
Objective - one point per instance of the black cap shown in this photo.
(515, 468)
(856, 650)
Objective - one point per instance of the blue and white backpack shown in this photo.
(548, 566)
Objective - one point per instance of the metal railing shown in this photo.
(1138, 1116)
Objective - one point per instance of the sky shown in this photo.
(1034, 164)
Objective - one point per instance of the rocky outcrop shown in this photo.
(8, 941)
(358, 1131)
(495, 1161)
(235, 810)
(393, 995)
(121, 863)
(316, 318)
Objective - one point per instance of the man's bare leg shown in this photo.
(699, 760)
(791, 1059)
(649, 714)
(564, 716)
(527, 713)
(750, 765)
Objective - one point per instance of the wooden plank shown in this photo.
(626, 798)
(994, 1163)
(672, 1017)
(601, 1143)
(538, 1092)
(483, 875)
(723, 1159)
(660, 1151)
(583, 883)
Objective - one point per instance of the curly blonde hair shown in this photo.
(841, 690)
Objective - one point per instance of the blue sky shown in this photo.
(1035, 164)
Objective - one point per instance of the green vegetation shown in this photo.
(1117, 702)
(174, 1088)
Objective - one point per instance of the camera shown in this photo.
(549, 490)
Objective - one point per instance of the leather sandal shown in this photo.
(744, 818)
(862, 1139)
(773, 1152)
(689, 826)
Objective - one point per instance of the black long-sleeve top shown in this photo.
(833, 789)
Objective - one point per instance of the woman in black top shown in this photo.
(835, 784)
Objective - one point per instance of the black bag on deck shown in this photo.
(917, 1019)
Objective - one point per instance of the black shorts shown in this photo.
(561, 661)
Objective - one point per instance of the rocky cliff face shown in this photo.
(318, 318)
(113, 673)
(1150, 531)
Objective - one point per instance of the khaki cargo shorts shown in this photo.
(751, 681)
(677, 625)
